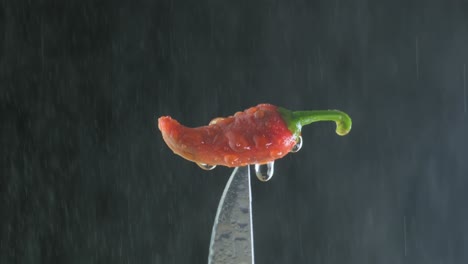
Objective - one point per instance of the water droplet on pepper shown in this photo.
(276, 154)
(261, 141)
(231, 159)
(206, 166)
(260, 171)
(298, 145)
(216, 120)
(259, 114)
(237, 142)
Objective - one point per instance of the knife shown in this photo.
(232, 234)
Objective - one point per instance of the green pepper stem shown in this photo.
(296, 120)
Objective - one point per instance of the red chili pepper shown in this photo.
(258, 135)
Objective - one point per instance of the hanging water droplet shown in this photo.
(260, 171)
(206, 166)
(298, 145)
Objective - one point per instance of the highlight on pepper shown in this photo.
(259, 135)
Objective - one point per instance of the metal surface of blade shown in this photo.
(232, 235)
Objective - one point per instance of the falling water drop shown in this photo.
(298, 145)
(206, 166)
(260, 171)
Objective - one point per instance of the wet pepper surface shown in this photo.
(259, 135)
(256, 136)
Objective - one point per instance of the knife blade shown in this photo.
(232, 234)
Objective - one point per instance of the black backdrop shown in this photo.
(86, 177)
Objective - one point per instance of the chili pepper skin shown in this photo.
(258, 135)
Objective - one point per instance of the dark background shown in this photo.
(86, 177)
